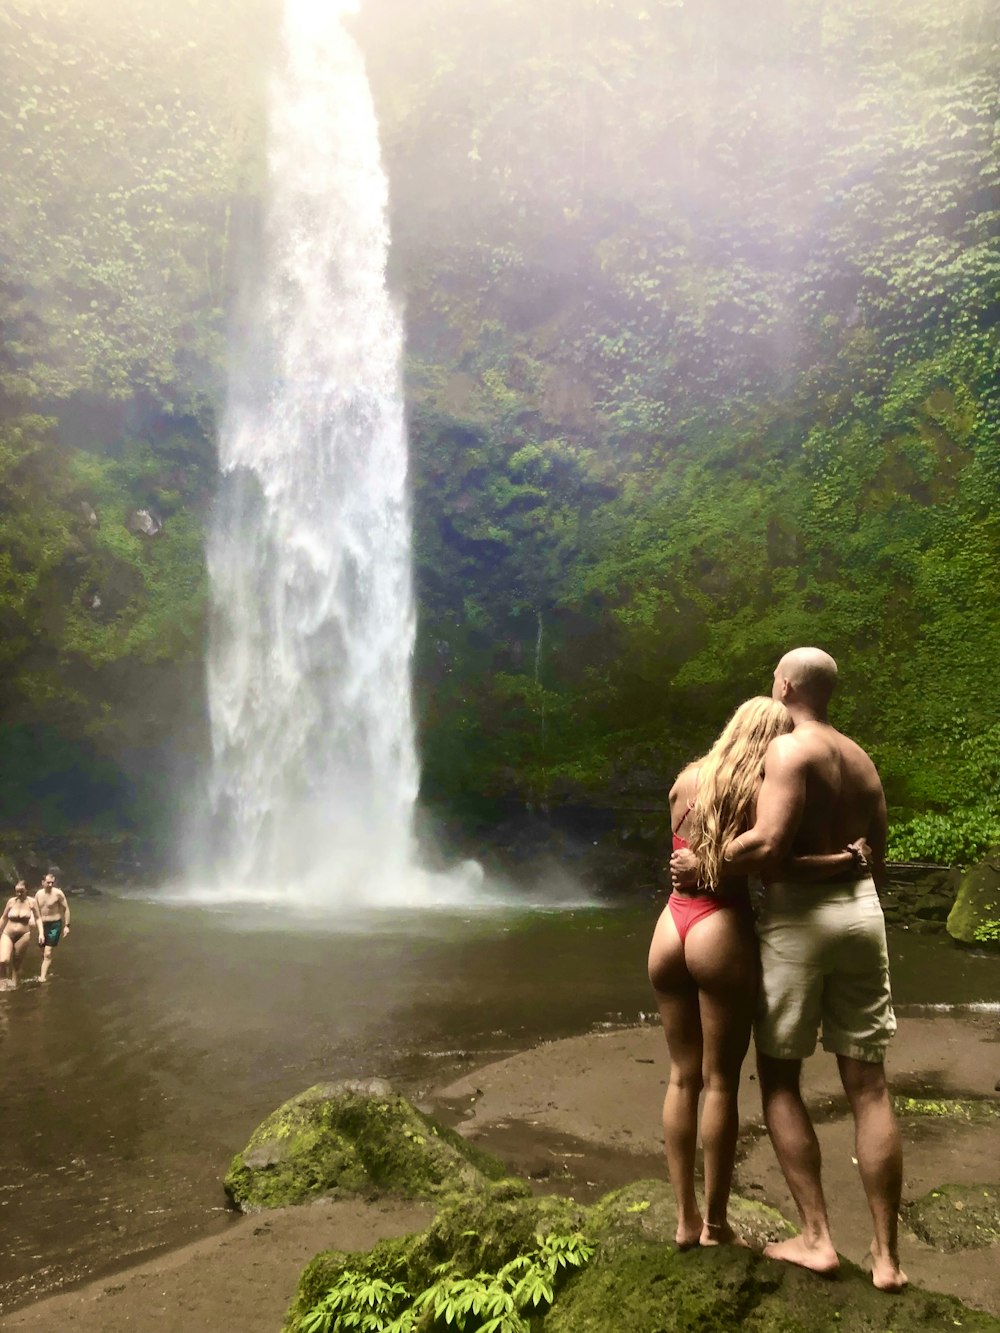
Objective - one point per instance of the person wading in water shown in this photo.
(20, 917)
(54, 912)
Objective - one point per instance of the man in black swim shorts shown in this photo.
(54, 911)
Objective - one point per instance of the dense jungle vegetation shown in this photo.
(703, 309)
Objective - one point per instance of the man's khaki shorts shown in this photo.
(824, 963)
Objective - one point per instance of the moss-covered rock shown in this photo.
(957, 1217)
(474, 1232)
(352, 1138)
(635, 1280)
(920, 898)
(653, 1289)
(975, 918)
(645, 1209)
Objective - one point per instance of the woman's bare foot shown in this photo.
(721, 1233)
(886, 1272)
(819, 1257)
(689, 1231)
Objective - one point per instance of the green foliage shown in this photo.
(362, 1302)
(500, 1302)
(957, 838)
(767, 338)
(703, 341)
(988, 932)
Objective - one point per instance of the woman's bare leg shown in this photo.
(721, 953)
(6, 955)
(20, 949)
(677, 999)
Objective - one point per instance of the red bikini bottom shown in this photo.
(688, 909)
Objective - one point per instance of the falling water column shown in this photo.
(314, 763)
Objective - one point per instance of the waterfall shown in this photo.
(314, 766)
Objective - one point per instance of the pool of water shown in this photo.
(168, 1031)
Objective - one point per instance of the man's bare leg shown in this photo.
(43, 974)
(880, 1162)
(797, 1150)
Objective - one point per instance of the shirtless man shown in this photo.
(824, 962)
(54, 912)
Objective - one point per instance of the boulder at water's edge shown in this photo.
(347, 1139)
(975, 918)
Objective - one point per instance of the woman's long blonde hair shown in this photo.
(729, 778)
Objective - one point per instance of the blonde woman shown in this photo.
(703, 965)
(18, 920)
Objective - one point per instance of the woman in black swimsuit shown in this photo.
(19, 917)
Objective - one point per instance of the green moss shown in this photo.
(484, 1229)
(645, 1210)
(647, 1288)
(348, 1139)
(957, 1217)
(970, 1111)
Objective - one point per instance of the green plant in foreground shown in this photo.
(358, 1301)
(498, 1302)
(987, 932)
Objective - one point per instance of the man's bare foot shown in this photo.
(886, 1272)
(721, 1233)
(819, 1258)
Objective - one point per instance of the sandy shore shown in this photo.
(580, 1115)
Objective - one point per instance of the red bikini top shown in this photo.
(682, 844)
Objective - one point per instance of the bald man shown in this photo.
(824, 962)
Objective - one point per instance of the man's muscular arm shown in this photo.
(780, 804)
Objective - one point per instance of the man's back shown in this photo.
(831, 788)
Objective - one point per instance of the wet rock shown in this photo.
(975, 918)
(920, 897)
(347, 1139)
(144, 523)
(957, 1217)
(89, 515)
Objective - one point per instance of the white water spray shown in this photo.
(315, 771)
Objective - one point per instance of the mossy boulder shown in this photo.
(636, 1279)
(347, 1139)
(920, 898)
(476, 1231)
(649, 1288)
(957, 1217)
(975, 918)
(646, 1209)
